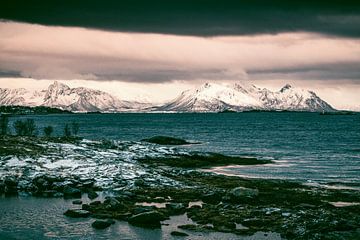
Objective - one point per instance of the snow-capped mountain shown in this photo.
(212, 97)
(61, 96)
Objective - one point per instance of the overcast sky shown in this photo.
(155, 49)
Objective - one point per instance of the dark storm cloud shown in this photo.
(196, 17)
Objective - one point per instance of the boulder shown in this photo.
(92, 195)
(175, 208)
(78, 202)
(77, 213)
(180, 234)
(2, 187)
(10, 181)
(240, 192)
(70, 192)
(147, 219)
(112, 203)
(102, 224)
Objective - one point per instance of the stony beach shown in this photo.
(146, 183)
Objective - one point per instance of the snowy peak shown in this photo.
(286, 87)
(61, 96)
(211, 97)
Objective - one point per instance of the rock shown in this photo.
(240, 192)
(95, 203)
(164, 140)
(211, 198)
(10, 181)
(88, 183)
(139, 183)
(2, 187)
(192, 227)
(41, 183)
(77, 213)
(92, 195)
(180, 234)
(102, 224)
(112, 204)
(147, 219)
(78, 202)
(175, 208)
(70, 192)
(86, 207)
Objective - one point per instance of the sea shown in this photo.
(308, 147)
(319, 150)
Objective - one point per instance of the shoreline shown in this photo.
(293, 210)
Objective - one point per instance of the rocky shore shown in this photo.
(145, 184)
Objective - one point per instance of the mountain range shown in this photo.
(209, 97)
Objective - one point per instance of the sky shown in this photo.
(155, 49)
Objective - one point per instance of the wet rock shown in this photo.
(240, 192)
(2, 187)
(95, 203)
(212, 198)
(180, 234)
(77, 213)
(142, 209)
(41, 184)
(175, 208)
(88, 183)
(147, 219)
(78, 202)
(102, 224)
(112, 204)
(92, 195)
(86, 207)
(139, 183)
(10, 186)
(70, 192)
(10, 181)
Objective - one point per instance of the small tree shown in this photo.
(25, 128)
(19, 127)
(48, 131)
(75, 128)
(30, 127)
(4, 124)
(67, 131)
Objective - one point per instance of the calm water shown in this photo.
(305, 146)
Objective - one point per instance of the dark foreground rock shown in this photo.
(147, 219)
(102, 224)
(77, 213)
(71, 192)
(180, 234)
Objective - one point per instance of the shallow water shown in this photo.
(42, 218)
(304, 146)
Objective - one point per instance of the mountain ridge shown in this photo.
(209, 97)
(241, 97)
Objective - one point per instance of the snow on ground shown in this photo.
(106, 164)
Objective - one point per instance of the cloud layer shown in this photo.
(188, 17)
(37, 51)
